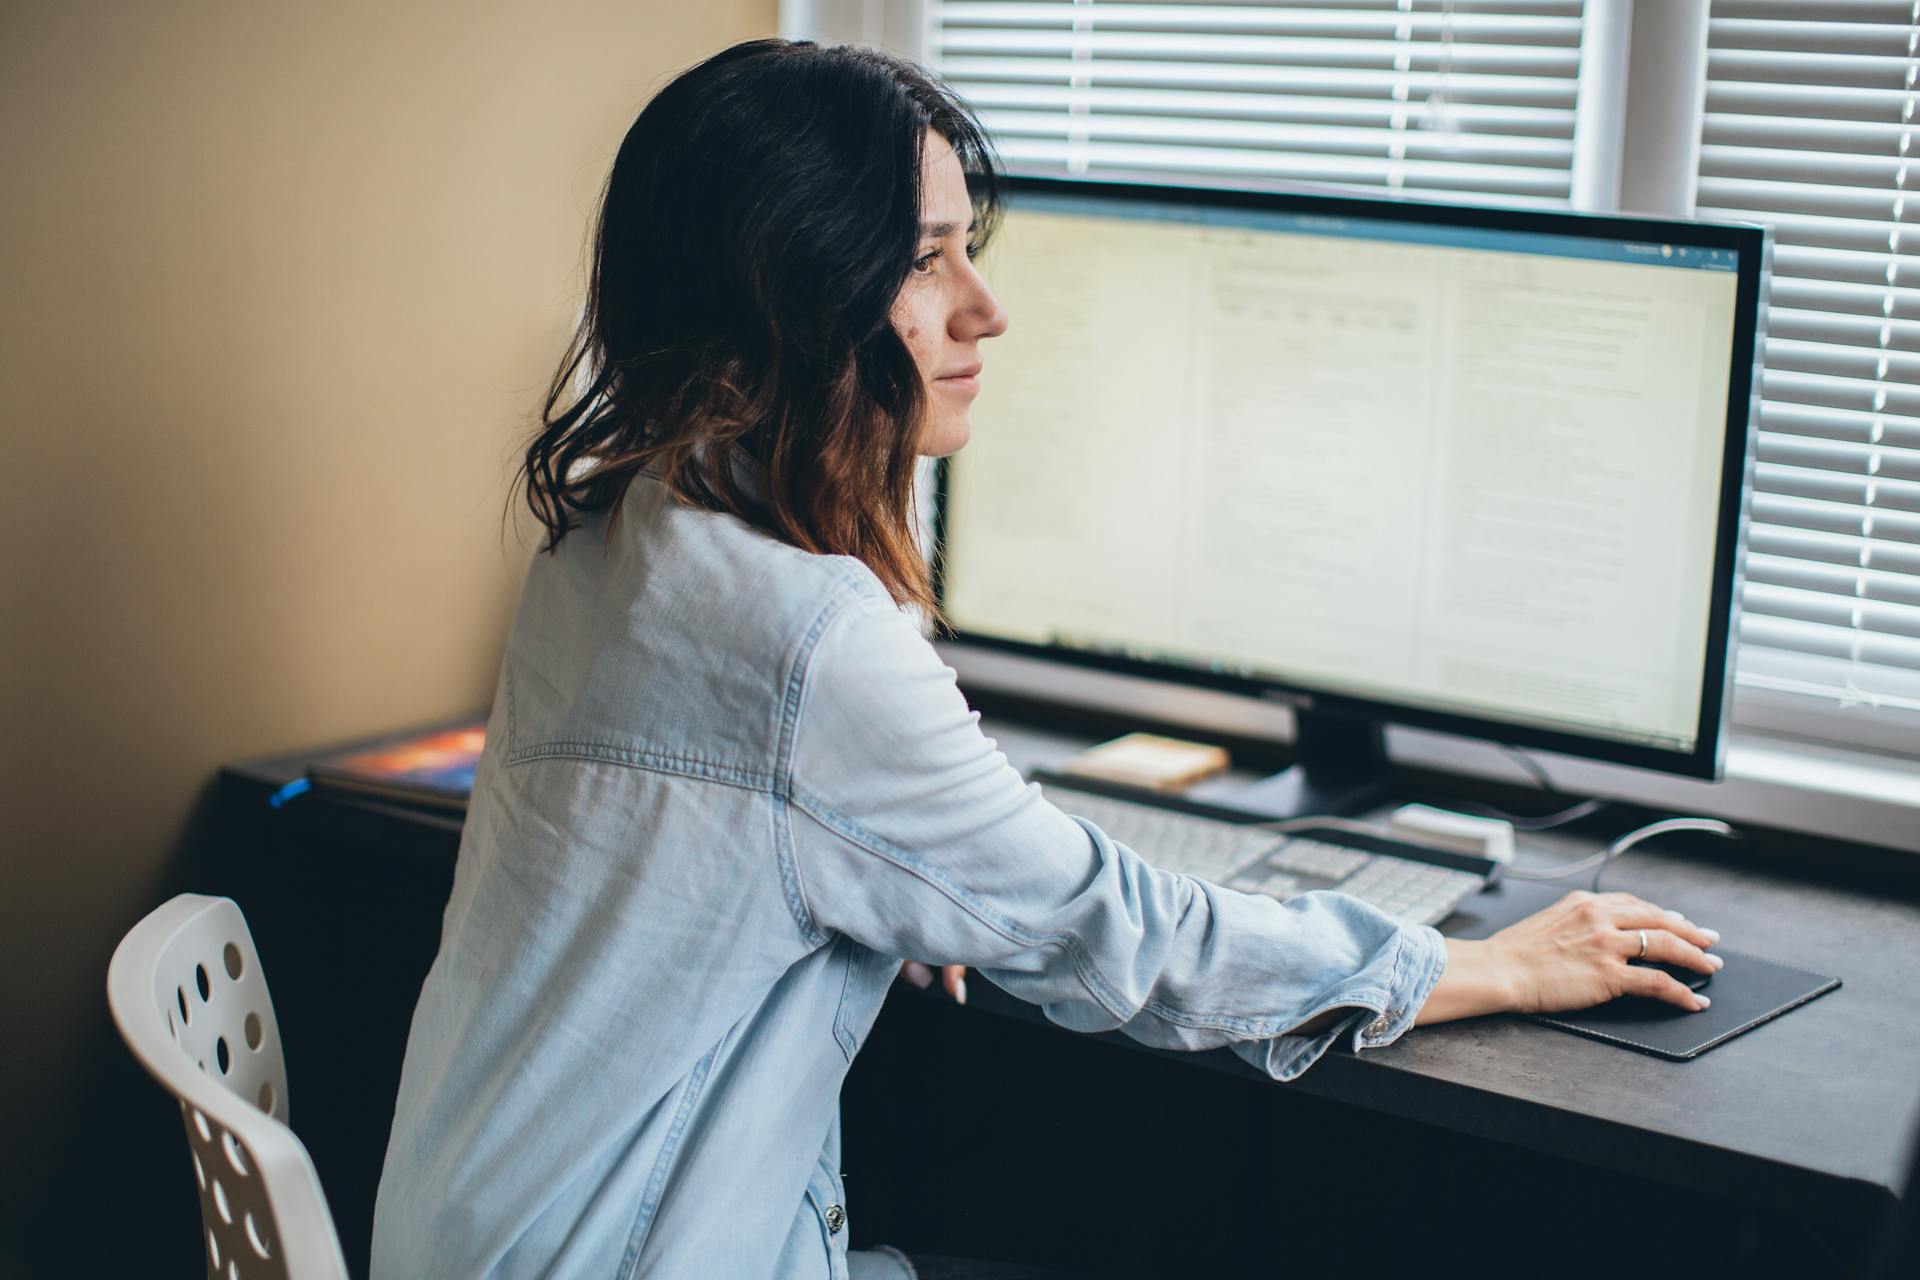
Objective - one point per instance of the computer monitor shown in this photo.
(1471, 469)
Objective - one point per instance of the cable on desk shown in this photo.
(1546, 822)
(1599, 861)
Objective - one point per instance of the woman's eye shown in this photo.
(924, 263)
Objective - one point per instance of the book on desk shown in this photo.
(433, 767)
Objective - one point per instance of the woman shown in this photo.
(728, 785)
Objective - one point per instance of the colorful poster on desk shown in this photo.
(433, 767)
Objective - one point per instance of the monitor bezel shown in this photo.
(1706, 759)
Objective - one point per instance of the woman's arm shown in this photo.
(911, 834)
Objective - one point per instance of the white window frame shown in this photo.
(1794, 761)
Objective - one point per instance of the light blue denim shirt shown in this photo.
(727, 786)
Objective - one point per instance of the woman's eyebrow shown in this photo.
(941, 230)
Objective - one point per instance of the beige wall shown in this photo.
(281, 284)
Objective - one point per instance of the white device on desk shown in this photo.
(1461, 832)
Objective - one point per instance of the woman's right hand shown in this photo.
(1575, 954)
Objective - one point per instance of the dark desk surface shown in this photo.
(1812, 1112)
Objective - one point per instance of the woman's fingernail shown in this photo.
(1701, 1002)
(1713, 935)
(960, 991)
(919, 975)
(1674, 915)
(1718, 962)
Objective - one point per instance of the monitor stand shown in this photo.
(1340, 769)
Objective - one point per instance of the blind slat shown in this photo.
(1870, 137)
(1895, 471)
(1779, 66)
(1288, 50)
(1881, 617)
(1200, 104)
(1870, 495)
(1842, 359)
(1416, 83)
(1818, 101)
(1848, 581)
(1836, 517)
(1837, 679)
(1898, 302)
(1854, 266)
(1476, 149)
(1838, 424)
(1835, 548)
(1826, 37)
(1777, 164)
(1838, 10)
(1829, 641)
(1767, 197)
(1865, 395)
(1438, 176)
(1832, 328)
(1383, 23)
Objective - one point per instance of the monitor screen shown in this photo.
(1471, 465)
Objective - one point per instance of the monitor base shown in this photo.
(1299, 793)
(1341, 770)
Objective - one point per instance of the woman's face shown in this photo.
(945, 308)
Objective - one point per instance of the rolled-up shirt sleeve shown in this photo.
(912, 835)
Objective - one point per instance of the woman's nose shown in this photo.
(982, 316)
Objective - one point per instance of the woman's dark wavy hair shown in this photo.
(761, 216)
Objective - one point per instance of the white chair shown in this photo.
(188, 996)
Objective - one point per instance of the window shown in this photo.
(1809, 126)
(1808, 123)
(1445, 98)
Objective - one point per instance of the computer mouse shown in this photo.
(1692, 980)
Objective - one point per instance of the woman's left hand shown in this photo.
(952, 976)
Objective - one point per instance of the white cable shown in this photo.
(1597, 861)
(1600, 860)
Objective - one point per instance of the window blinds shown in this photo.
(1444, 98)
(1810, 126)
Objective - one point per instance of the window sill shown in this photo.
(1772, 779)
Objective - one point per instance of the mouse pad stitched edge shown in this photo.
(1748, 992)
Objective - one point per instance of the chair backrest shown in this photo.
(188, 995)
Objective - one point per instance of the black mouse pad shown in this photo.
(1748, 992)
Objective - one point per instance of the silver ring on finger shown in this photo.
(1643, 945)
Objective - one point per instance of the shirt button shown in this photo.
(1379, 1028)
(836, 1219)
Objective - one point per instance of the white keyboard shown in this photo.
(1246, 858)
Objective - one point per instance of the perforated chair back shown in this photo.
(188, 995)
